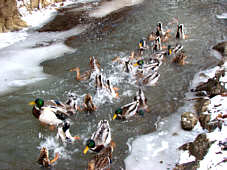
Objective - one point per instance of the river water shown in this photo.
(21, 135)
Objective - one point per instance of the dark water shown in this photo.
(19, 130)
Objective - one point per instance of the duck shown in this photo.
(94, 64)
(178, 48)
(179, 58)
(161, 33)
(112, 90)
(49, 115)
(88, 104)
(100, 139)
(142, 101)
(157, 45)
(71, 104)
(127, 111)
(94, 68)
(44, 158)
(150, 79)
(64, 133)
(85, 76)
(99, 82)
(180, 32)
(102, 160)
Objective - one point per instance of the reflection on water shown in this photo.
(20, 131)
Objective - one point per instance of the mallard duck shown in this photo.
(126, 111)
(161, 33)
(112, 90)
(180, 32)
(71, 104)
(179, 58)
(44, 158)
(150, 79)
(49, 115)
(88, 103)
(128, 66)
(64, 133)
(94, 64)
(94, 67)
(102, 160)
(157, 44)
(85, 76)
(143, 44)
(178, 48)
(142, 101)
(100, 139)
(99, 82)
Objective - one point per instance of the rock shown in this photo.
(188, 120)
(221, 48)
(199, 147)
(204, 119)
(187, 166)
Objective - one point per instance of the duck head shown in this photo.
(38, 103)
(90, 144)
(139, 63)
(169, 50)
(119, 111)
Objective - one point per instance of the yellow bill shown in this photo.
(140, 45)
(85, 150)
(170, 51)
(135, 64)
(32, 103)
(115, 116)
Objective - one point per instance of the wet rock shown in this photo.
(188, 120)
(213, 86)
(199, 147)
(221, 48)
(187, 166)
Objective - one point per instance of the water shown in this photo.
(22, 135)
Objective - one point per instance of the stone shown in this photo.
(188, 120)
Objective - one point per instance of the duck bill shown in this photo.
(115, 116)
(170, 52)
(140, 45)
(32, 103)
(85, 150)
(135, 64)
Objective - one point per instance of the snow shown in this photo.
(159, 150)
(222, 16)
(110, 6)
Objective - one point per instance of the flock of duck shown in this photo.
(142, 69)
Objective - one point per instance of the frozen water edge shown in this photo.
(159, 151)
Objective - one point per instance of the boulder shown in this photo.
(199, 147)
(188, 120)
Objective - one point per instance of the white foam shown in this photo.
(53, 146)
(110, 6)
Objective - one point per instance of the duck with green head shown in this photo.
(100, 139)
(127, 111)
(50, 115)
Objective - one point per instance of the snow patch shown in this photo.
(110, 6)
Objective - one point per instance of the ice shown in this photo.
(20, 62)
(222, 16)
(159, 150)
(110, 6)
